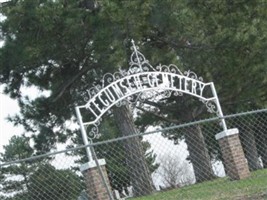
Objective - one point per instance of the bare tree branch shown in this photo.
(174, 172)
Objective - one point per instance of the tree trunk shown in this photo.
(198, 154)
(250, 149)
(140, 175)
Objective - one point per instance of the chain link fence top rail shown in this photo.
(178, 162)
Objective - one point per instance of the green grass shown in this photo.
(253, 188)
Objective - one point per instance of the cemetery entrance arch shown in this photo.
(142, 81)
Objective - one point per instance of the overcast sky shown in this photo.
(7, 130)
(7, 107)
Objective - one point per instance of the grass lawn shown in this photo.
(253, 188)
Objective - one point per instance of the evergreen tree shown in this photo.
(61, 47)
(34, 179)
(50, 183)
(224, 42)
(18, 148)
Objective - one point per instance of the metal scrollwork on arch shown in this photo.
(211, 106)
(92, 130)
(143, 81)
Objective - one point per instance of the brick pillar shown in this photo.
(235, 163)
(96, 189)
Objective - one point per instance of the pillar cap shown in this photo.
(92, 164)
(226, 133)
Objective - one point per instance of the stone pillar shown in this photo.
(235, 163)
(96, 189)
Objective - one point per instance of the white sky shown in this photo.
(9, 107)
(7, 130)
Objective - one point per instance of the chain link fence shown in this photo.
(178, 162)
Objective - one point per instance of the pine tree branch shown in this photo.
(68, 83)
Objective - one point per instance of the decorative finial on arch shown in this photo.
(138, 62)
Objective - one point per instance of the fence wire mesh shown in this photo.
(178, 162)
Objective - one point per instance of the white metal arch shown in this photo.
(143, 80)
